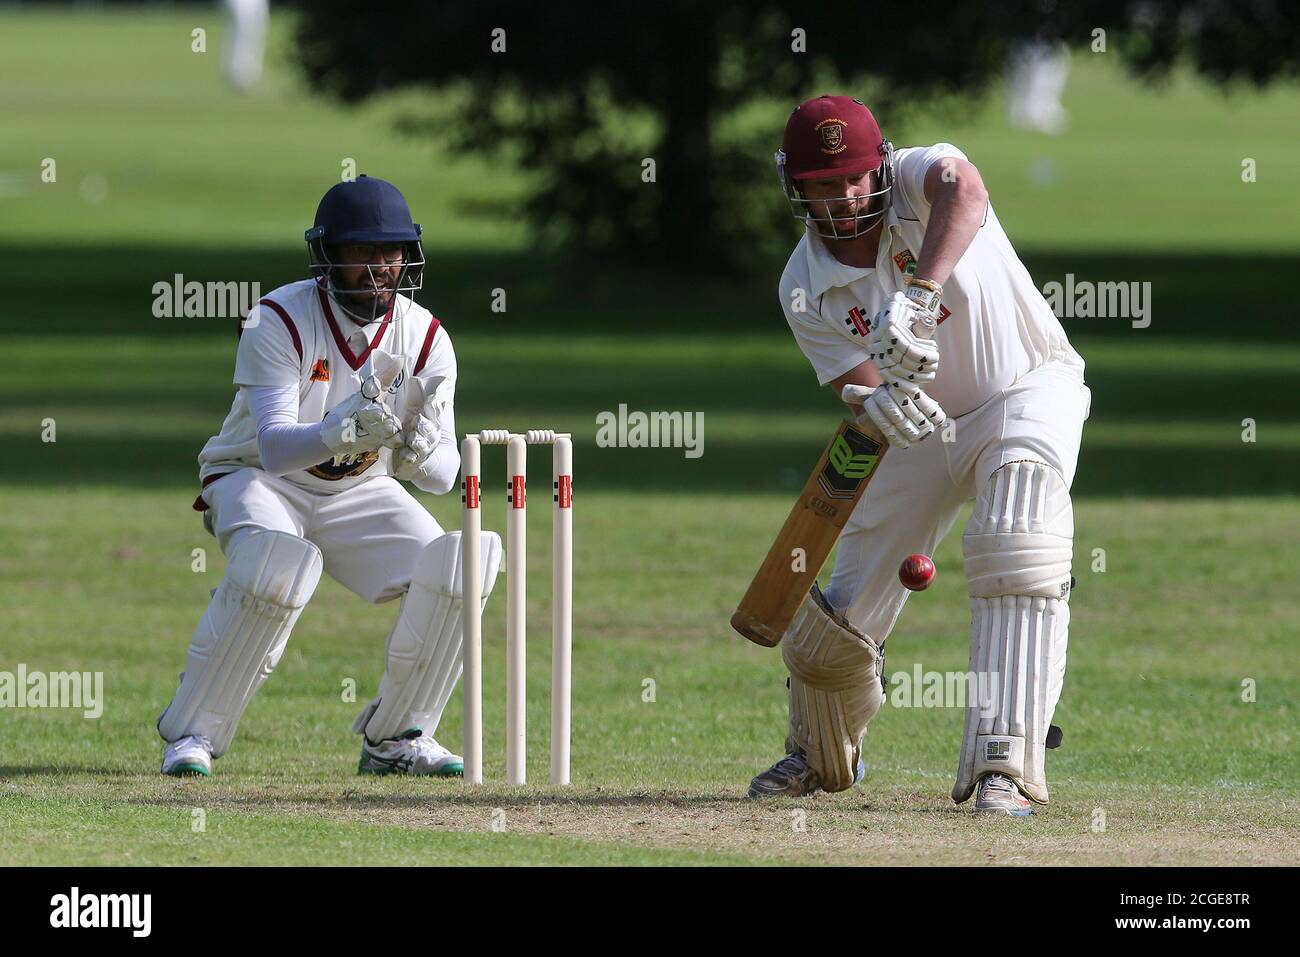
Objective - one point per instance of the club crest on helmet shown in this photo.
(829, 138)
(832, 131)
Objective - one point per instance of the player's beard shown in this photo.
(365, 308)
(852, 219)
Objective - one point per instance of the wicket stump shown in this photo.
(516, 599)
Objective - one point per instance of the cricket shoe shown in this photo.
(998, 794)
(190, 756)
(792, 777)
(412, 752)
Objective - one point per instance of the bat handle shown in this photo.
(924, 328)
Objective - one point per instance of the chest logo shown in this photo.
(857, 321)
(320, 372)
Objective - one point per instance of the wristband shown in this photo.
(924, 294)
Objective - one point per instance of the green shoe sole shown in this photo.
(188, 771)
(455, 770)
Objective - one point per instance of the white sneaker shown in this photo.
(412, 753)
(998, 794)
(189, 756)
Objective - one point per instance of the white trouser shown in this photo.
(369, 535)
(918, 492)
(276, 536)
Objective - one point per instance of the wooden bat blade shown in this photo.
(805, 541)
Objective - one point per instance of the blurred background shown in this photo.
(527, 169)
(609, 170)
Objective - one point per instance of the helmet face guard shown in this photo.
(323, 266)
(364, 212)
(815, 214)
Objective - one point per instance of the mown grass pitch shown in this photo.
(671, 714)
(1180, 709)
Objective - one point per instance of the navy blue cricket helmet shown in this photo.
(364, 210)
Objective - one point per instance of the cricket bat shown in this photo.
(828, 498)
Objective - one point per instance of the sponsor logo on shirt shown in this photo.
(858, 322)
(320, 372)
(343, 466)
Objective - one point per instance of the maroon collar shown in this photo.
(341, 341)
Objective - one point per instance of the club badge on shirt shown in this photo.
(906, 264)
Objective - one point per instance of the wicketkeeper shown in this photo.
(344, 389)
(890, 236)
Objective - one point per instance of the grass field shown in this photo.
(1198, 528)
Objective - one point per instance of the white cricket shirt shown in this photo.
(995, 326)
(296, 336)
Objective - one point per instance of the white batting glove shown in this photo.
(904, 414)
(898, 353)
(359, 424)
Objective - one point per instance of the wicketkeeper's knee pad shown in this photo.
(1018, 546)
(835, 689)
(423, 655)
(270, 576)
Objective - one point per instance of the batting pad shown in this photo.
(835, 689)
(270, 576)
(1018, 548)
(424, 647)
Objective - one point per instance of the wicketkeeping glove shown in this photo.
(359, 424)
(421, 442)
(423, 431)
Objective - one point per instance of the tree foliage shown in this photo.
(583, 95)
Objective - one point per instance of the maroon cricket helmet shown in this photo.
(832, 136)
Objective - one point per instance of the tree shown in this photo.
(630, 114)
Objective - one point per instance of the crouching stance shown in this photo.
(345, 388)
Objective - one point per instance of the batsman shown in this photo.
(908, 300)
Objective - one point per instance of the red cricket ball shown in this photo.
(916, 572)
